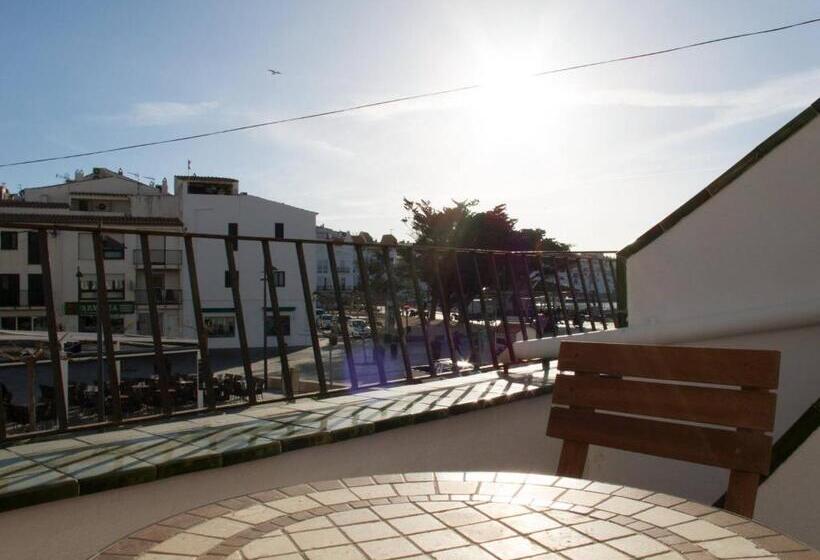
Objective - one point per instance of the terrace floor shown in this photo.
(90, 462)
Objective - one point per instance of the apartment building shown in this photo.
(345, 261)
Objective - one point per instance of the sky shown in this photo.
(594, 157)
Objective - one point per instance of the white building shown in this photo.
(199, 204)
(215, 205)
(345, 261)
(102, 198)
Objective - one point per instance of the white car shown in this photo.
(445, 365)
(358, 328)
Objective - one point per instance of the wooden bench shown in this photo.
(602, 405)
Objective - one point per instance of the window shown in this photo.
(284, 321)
(113, 246)
(114, 282)
(233, 231)
(9, 290)
(33, 247)
(322, 267)
(279, 230)
(35, 289)
(8, 323)
(210, 188)
(279, 278)
(8, 240)
(23, 323)
(88, 323)
(220, 327)
(40, 323)
(228, 283)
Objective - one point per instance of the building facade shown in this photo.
(199, 204)
(345, 261)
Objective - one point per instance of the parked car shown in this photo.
(326, 321)
(445, 365)
(359, 328)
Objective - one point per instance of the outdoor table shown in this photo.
(455, 515)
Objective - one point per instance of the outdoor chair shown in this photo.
(724, 426)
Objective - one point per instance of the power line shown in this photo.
(409, 97)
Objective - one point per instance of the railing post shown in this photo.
(156, 333)
(561, 301)
(311, 317)
(391, 289)
(337, 292)
(53, 339)
(500, 296)
(539, 332)
(574, 295)
(465, 319)
(422, 312)
(445, 313)
(596, 293)
(104, 316)
(201, 333)
(517, 297)
(608, 293)
(489, 329)
(546, 291)
(587, 307)
(378, 350)
(250, 382)
(281, 345)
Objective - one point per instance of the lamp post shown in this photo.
(265, 326)
(100, 393)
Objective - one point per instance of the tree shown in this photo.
(463, 226)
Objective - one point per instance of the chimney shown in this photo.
(164, 188)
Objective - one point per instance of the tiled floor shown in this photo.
(457, 516)
(49, 470)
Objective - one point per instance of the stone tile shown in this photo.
(319, 538)
(663, 517)
(415, 488)
(186, 543)
(309, 524)
(623, 506)
(595, 551)
(369, 531)
(639, 546)
(734, 547)
(699, 530)
(331, 497)
(531, 523)
(268, 546)
(498, 510)
(388, 549)
(513, 548)
(463, 553)
(396, 510)
(498, 489)
(486, 531)
(572, 483)
(441, 506)
(778, 543)
(462, 516)
(582, 497)
(417, 524)
(694, 508)
(218, 527)
(438, 540)
(664, 500)
(457, 487)
(561, 538)
(374, 491)
(602, 530)
(255, 514)
(353, 516)
(293, 504)
(346, 552)
(751, 529)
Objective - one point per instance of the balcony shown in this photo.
(21, 299)
(163, 296)
(166, 258)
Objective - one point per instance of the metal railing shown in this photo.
(163, 296)
(17, 299)
(160, 257)
(418, 311)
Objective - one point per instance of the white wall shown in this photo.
(255, 216)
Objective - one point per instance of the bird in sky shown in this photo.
(273, 72)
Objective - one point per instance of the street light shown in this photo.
(100, 394)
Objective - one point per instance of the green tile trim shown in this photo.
(738, 169)
(42, 471)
